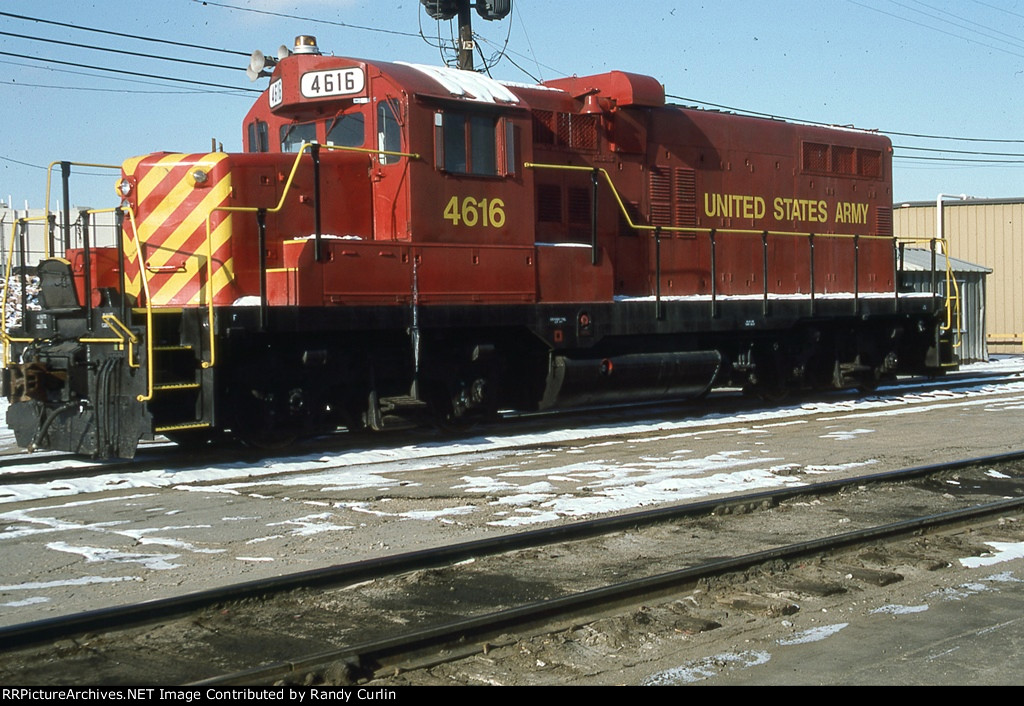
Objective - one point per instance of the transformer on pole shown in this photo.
(448, 9)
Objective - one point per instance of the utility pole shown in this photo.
(466, 44)
(448, 9)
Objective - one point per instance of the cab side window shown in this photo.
(294, 135)
(389, 131)
(347, 130)
(258, 137)
(469, 144)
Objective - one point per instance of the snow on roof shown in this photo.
(466, 84)
(920, 260)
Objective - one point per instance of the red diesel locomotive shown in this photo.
(402, 239)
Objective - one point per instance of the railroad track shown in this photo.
(48, 467)
(453, 592)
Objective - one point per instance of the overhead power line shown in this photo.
(125, 79)
(319, 20)
(951, 151)
(109, 32)
(124, 52)
(130, 73)
(957, 160)
(503, 51)
(935, 29)
(823, 124)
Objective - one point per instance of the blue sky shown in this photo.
(926, 67)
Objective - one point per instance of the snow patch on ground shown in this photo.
(707, 667)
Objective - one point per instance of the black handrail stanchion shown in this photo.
(51, 228)
(764, 272)
(318, 252)
(22, 255)
(261, 225)
(119, 237)
(87, 268)
(856, 275)
(65, 176)
(593, 216)
(935, 283)
(658, 312)
(714, 276)
(810, 241)
(898, 266)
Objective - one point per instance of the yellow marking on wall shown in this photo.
(851, 212)
(174, 285)
(158, 178)
(195, 264)
(163, 167)
(160, 252)
(129, 166)
(223, 277)
(733, 205)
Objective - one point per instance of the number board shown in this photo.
(276, 93)
(335, 82)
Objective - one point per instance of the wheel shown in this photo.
(460, 411)
(772, 393)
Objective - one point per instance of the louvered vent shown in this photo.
(543, 127)
(579, 205)
(686, 197)
(883, 216)
(577, 131)
(869, 163)
(660, 180)
(842, 160)
(815, 157)
(549, 203)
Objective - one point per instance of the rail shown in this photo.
(657, 230)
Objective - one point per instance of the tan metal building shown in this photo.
(987, 232)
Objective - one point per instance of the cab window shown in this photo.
(292, 136)
(469, 144)
(259, 137)
(389, 132)
(347, 130)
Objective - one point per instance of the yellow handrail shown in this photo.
(952, 296)
(255, 209)
(149, 307)
(7, 338)
(691, 229)
(295, 169)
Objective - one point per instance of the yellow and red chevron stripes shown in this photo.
(172, 213)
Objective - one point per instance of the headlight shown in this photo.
(199, 177)
(124, 188)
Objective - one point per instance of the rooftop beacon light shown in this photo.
(305, 44)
